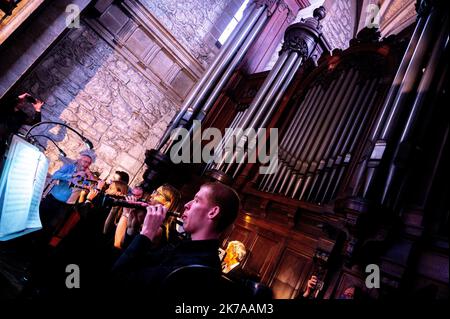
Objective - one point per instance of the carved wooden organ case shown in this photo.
(310, 216)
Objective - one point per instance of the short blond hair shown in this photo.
(238, 249)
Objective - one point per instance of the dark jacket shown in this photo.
(142, 269)
(10, 123)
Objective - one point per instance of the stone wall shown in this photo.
(88, 82)
(89, 86)
(197, 24)
(339, 23)
(27, 44)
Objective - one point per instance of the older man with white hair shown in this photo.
(56, 206)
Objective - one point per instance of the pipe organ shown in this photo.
(324, 117)
(363, 138)
(207, 90)
(329, 118)
(302, 41)
(347, 126)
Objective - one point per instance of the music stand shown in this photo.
(21, 185)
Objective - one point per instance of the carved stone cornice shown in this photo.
(290, 17)
(276, 5)
(282, 6)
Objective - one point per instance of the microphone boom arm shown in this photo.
(85, 140)
(51, 140)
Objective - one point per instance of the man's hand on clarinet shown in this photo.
(153, 220)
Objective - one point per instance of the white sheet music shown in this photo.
(21, 187)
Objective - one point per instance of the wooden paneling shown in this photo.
(261, 255)
(241, 234)
(132, 30)
(281, 257)
(290, 274)
(141, 43)
(114, 18)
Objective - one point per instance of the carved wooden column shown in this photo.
(281, 14)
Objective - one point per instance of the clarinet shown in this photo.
(124, 203)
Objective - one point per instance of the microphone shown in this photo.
(32, 138)
(88, 143)
(85, 140)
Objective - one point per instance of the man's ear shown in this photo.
(213, 212)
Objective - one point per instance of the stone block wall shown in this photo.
(95, 81)
(197, 24)
(339, 24)
(92, 88)
(26, 44)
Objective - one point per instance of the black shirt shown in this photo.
(10, 123)
(141, 268)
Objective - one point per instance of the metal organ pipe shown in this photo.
(325, 131)
(412, 72)
(216, 69)
(255, 25)
(365, 119)
(423, 91)
(323, 158)
(398, 97)
(355, 122)
(306, 121)
(288, 138)
(300, 138)
(220, 147)
(313, 134)
(265, 107)
(274, 103)
(257, 99)
(301, 40)
(322, 176)
(256, 28)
